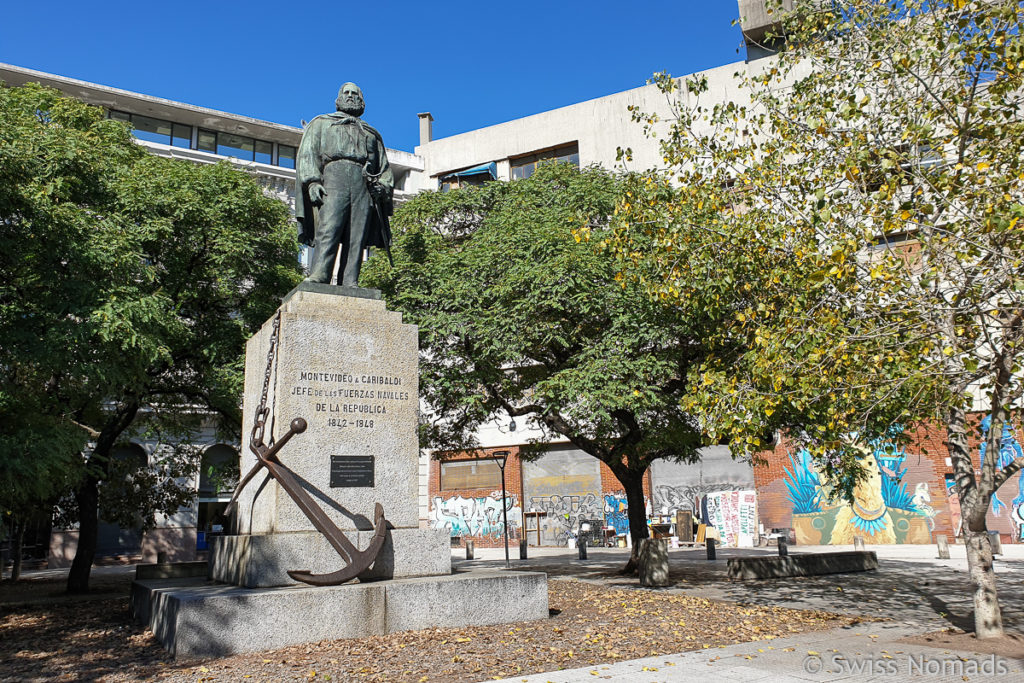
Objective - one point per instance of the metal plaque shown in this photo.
(351, 471)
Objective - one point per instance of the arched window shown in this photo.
(131, 456)
(218, 477)
(218, 474)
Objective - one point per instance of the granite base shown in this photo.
(195, 618)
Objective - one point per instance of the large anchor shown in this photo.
(358, 561)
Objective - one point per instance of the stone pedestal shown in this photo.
(204, 619)
(349, 367)
(653, 561)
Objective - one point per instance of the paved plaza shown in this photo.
(916, 592)
(911, 593)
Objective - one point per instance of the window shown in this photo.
(181, 136)
(153, 130)
(264, 152)
(207, 141)
(901, 164)
(904, 245)
(235, 146)
(523, 167)
(211, 518)
(130, 456)
(477, 175)
(470, 474)
(218, 474)
(225, 144)
(286, 156)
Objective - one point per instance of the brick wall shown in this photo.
(513, 487)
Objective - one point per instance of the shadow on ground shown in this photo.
(918, 593)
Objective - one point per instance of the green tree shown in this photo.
(869, 186)
(128, 285)
(519, 315)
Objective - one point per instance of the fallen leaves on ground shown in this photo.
(591, 624)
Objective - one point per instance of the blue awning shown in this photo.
(491, 168)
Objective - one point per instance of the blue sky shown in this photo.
(470, 64)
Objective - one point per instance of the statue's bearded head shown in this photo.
(350, 100)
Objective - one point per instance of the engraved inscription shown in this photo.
(350, 400)
(351, 471)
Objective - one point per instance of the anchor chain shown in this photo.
(263, 412)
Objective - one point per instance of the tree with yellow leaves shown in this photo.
(860, 215)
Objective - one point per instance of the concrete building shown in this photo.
(913, 496)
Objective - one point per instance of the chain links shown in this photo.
(263, 411)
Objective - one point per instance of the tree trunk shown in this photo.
(17, 547)
(633, 484)
(988, 618)
(87, 497)
(974, 502)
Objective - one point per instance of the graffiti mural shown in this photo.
(1009, 450)
(563, 516)
(616, 513)
(481, 516)
(734, 515)
(953, 500)
(883, 510)
(561, 489)
(669, 499)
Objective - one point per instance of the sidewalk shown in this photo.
(916, 591)
(864, 653)
(910, 585)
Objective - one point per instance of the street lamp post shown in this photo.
(501, 457)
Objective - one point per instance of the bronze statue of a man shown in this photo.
(345, 189)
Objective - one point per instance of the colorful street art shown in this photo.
(883, 510)
(1009, 450)
(953, 500)
(616, 513)
(480, 516)
(669, 499)
(734, 515)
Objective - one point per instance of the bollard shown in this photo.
(858, 543)
(522, 548)
(581, 546)
(943, 544)
(997, 545)
(161, 557)
(469, 548)
(709, 544)
(783, 546)
(653, 562)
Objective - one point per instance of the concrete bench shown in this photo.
(808, 564)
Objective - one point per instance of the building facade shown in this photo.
(909, 497)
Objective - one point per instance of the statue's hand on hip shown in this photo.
(316, 194)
